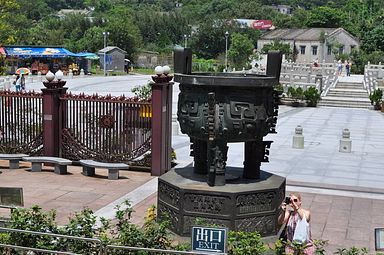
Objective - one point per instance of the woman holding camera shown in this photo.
(292, 213)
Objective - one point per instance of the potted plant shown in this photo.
(376, 98)
(297, 95)
(279, 89)
(312, 96)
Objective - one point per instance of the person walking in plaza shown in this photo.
(339, 67)
(22, 83)
(17, 83)
(294, 215)
(347, 68)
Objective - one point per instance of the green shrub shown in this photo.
(143, 92)
(376, 96)
(245, 243)
(312, 96)
(296, 93)
(33, 219)
(352, 251)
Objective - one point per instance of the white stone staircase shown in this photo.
(348, 92)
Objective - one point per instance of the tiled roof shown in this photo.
(302, 34)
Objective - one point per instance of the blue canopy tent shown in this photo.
(38, 52)
(87, 55)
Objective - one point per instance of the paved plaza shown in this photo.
(344, 191)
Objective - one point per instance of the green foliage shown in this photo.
(276, 45)
(279, 89)
(296, 93)
(240, 50)
(325, 16)
(299, 248)
(33, 219)
(124, 32)
(245, 243)
(376, 97)
(203, 65)
(374, 39)
(320, 246)
(156, 235)
(143, 92)
(352, 251)
(312, 96)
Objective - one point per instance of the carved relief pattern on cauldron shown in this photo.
(190, 221)
(206, 204)
(166, 213)
(265, 225)
(169, 194)
(254, 203)
(280, 194)
(247, 118)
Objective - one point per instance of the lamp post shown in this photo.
(226, 50)
(105, 34)
(186, 40)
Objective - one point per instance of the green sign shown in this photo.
(11, 196)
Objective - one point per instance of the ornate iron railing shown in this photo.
(21, 122)
(105, 128)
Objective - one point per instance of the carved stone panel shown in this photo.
(209, 204)
(266, 225)
(166, 213)
(255, 203)
(169, 194)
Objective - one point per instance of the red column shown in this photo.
(52, 121)
(161, 127)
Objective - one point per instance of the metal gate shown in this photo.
(105, 128)
(21, 123)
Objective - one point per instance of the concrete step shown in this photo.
(352, 88)
(345, 85)
(326, 104)
(347, 94)
(346, 102)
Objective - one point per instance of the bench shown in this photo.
(113, 168)
(13, 159)
(60, 163)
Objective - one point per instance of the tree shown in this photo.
(374, 40)
(124, 33)
(277, 45)
(325, 16)
(7, 34)
(209, 39)
(240, 50)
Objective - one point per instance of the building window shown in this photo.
(353, 47)
(341, 50)
(314, 50)
(302, 50)
(329, 50)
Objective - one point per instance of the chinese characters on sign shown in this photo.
(209, 239)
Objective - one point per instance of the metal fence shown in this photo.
(98, 247)
(108, 129)
(21, 122)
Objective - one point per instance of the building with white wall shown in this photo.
(313, 43)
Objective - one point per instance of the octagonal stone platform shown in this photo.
(241, 205)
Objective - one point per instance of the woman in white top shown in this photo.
(291, 218)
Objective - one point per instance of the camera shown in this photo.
(287, 200)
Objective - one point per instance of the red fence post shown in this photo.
(52, 117)
(161, 124)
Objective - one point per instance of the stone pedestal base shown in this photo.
(345, 145)
(241, 205)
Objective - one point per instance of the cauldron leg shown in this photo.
(254, 152)
(199, 153)
(217, 158)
